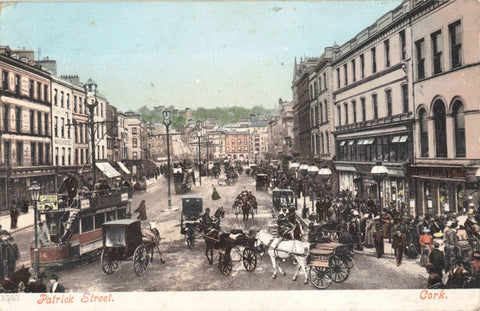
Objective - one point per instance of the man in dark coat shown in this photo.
(437, 259)
(56, 287)
(378, 240)
(399, 244)
(12, 255)
(433, 278)
(13, 215)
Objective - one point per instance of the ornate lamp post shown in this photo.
(312, 172)
(91, 91)
(34, 191)
(167, 121)
(303, 169)
(199, 136)
(294, 166)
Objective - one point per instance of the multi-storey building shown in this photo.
(259, 137)
(214, 145)
(446, 74)
(113, 138)
(123, 134)
(25, 118)
(237, 145)
(373, 108)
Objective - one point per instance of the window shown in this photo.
(33, 152)
(17, 85)
(68, 127)
(19, 153)
(47, 153)
(45, 122)
(99, 220)
(388, 98)
(375, 106)
(31, 89)
(314, 89)
(321, 112)
(68, 101)
(7, 154)
(62, 129)
(459, 127)
(55, 126)
(364, 112)
(40, 153)
(423, 133)
(87, 223)
(326, 111)
(354, 110)
(32, 123)
(419, 45)
(134, 131)
(345, 105)
(386, 46)
(353, 71)
(61, 99)
(69, 156)
(6, 118)
(226, 149)
(18, 119)
(245, 142)
(324, 80)
(233, 141)
(403, 45)
(76, 157)
(134, 155)
(101, 109)
(74, 103)
(103, 152)
(437, 47)
(245, 148)
(39, 91)
(374, 60)
(311, 92)
(455, 32)
(45, 93)
(362, 66)
(80, 105)
(39, 123)
(55, 96)
(339, 111)
(338, 78)
(239, 141)
(233, 149)
(345, 72)
(440, 128)
(63, 156)
(5, 80)
(405, 98)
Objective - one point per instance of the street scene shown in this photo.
(198, 149)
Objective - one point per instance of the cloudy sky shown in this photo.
(186, 54)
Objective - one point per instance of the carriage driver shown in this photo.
(285, 227)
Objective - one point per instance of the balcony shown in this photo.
(376, 122)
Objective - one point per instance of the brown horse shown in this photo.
(214, 239)
(15, 282)
(247, 208)
(36, 287)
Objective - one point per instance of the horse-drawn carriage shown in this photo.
(182, 180)
(245, 203)
(282, 197)
(262, 182)
(223, 244)
(192, 209)
(122, 241)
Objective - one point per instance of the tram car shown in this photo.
(74, 223)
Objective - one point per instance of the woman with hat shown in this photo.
(426, 246)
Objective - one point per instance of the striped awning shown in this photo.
(107, 169)
(124, 168)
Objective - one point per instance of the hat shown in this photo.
(438, 235)
(426, 230)
(54, 277)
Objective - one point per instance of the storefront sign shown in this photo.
(124, 197)
(430, 203)
(446, 206)
(47, 202)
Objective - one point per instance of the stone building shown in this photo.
(237, 145)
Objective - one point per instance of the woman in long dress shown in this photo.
(142, 211)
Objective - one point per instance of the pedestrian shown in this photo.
(457, 275)
(3, 233)
(3, 259)
(13, 215)
(24, 205)
(215, 195)
(56, 287)
(433, 278)
(437, 259)
(475, 264)
(345, 237)
(378, 240)
(399, 244)
(43, 235)
(142, 211)
(12, 255)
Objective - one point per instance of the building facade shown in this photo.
(237, 145)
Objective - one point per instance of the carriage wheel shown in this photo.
(140, 260)
(108, 265)
(249, 259)
(339, 269)
(225, 264)
(320, 277)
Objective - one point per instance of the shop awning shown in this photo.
(124, 168)
(107, 169)
(343, 143)
(345, 168)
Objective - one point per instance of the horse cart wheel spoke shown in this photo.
(249, 259)
(109, 265)
(339, 269)
(140, 260)
(225, 264)
(320, 277)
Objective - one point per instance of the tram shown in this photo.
(74, 222)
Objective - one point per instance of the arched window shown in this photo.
(459, 127)
(440, 128)
(423, 133)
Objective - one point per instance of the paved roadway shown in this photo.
(188, 270)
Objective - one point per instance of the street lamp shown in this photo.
(379, 172)
(167, 121)
(199, 136)
(34, 191)
(91, 91)
(303, 169)
(295, 166)
(312, 172)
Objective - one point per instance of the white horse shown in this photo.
(297, 249)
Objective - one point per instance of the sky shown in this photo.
(185, 54)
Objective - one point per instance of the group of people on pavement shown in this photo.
(9, 254)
